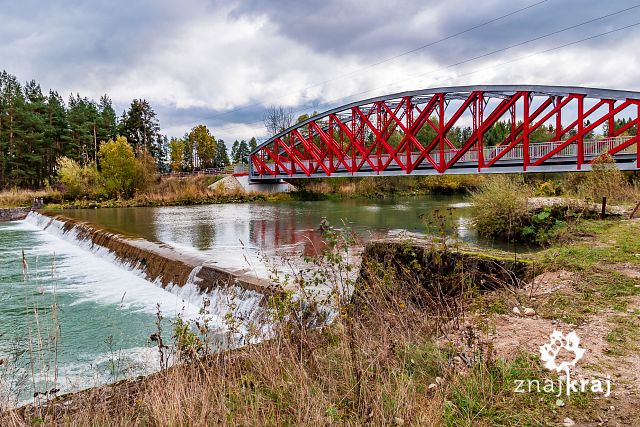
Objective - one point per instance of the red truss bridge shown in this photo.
(459, 130)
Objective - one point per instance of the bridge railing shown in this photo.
(592, 149)
(537, 150)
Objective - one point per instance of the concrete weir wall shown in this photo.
(419, 262)
(160, 263)
(13, 214)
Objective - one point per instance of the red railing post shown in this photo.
(440, 130)
(378, 141)
(353, 140)
(477, 124)
(409, 114)
(525, 130)
(638, 137)
(612, 122)
(580, 139)
(558, 119)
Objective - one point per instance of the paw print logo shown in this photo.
(558, 341)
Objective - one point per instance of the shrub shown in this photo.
(451, 184)
(548, 189)
(500, 207)
(606, 180)
(545, 226)
(146, 171)
(77, 180)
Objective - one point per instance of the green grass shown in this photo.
(600, 243)
(624, 335)
(486, 397)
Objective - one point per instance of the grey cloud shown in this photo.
(185, 58)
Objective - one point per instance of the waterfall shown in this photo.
(187, 276)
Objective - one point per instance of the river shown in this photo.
(105, 313)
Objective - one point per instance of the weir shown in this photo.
(187, 275)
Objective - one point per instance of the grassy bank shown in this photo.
(502, 206)
(171, 191)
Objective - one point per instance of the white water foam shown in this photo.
(123, 282)
(461, 205)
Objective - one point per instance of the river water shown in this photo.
(105, 313)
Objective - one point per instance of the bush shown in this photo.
(545, 226)
(548, 189)
(606, 180)
(500, 207)
(146, 172)
(451, 184)
(78, 181)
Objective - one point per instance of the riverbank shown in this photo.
(13, 214)
(184, 191)
(388, 363)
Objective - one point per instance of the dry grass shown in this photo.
(174, 189)
(16, 197)
(372, 369)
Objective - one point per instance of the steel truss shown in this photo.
(379, 136)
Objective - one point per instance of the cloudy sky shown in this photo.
(222, 63)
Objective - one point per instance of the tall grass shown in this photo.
(17, 197)
(30, 363)
(606, 180)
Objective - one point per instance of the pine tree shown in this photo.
(234, 152)
(141, 128)
(57, 133)
(243, 153)
(11, 105)
(106, 128)
(32, 149)
(222, 157)
(188, 160)
(83, 116)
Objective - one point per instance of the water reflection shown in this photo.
(235, 235)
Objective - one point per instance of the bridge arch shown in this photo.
(459, 130)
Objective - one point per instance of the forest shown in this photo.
(38, 129)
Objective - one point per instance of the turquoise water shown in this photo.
(73, 319)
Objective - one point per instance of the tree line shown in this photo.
(198, 149)
(38, 128)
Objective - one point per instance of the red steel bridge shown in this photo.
(411, 133)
